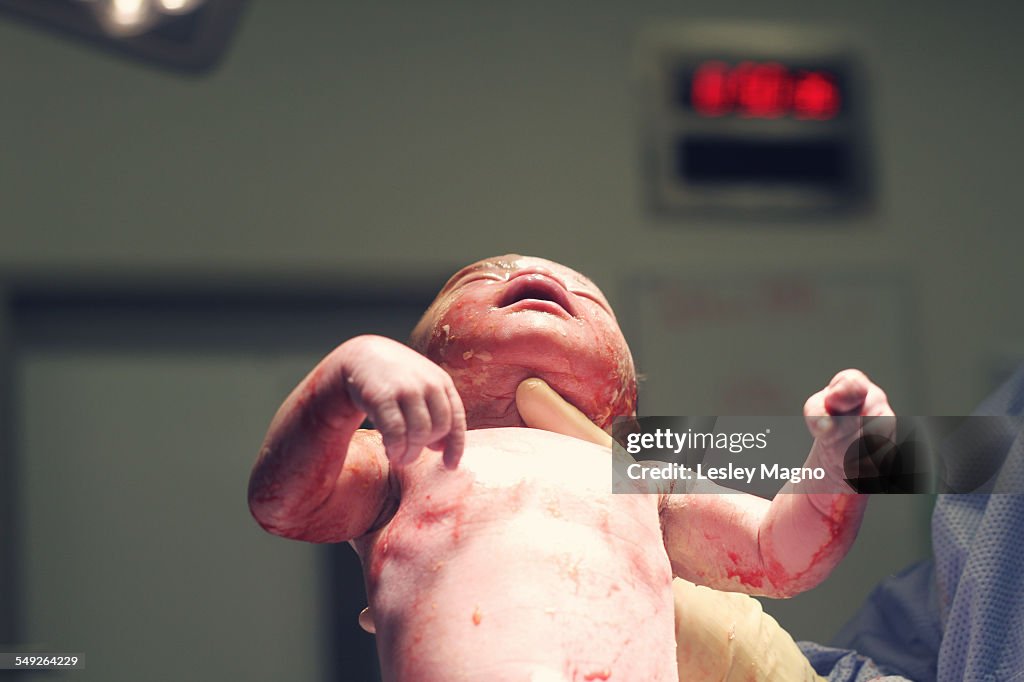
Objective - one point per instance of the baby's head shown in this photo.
(509, 318)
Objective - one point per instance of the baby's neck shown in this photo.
(488, 393)
(498, 411)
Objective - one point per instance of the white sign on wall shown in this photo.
(761, 344)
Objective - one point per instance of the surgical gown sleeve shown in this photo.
(959, 616)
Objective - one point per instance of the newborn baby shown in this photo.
(500, 553)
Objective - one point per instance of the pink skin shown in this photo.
(484, 330)
(493, 561)
(788, 545)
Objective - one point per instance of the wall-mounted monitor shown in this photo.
(755, 120)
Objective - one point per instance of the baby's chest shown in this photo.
(524, 483)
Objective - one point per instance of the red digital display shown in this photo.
(763, 90)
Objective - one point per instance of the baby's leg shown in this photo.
(727, 637)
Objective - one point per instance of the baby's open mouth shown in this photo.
(537, 292)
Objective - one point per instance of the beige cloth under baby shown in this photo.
(727, 637)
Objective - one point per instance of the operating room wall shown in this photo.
(397, 140)
(406, 137)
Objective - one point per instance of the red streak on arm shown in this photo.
(775, 549)
(317, 478)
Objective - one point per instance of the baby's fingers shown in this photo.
(838, 410)
(389, 419)
(430, 418)
(419, 426)
(449, 421)
(816, 415)
(880, 419)
(456, 440)
(847, 392)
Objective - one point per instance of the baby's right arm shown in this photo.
(320, 479)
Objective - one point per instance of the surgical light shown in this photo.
(186, 35)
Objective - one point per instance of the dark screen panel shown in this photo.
(713, 160)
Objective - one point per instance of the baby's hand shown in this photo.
(411, 401)
(834, 415)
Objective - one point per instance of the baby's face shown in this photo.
(505, 319)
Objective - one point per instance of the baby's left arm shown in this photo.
(787, 545)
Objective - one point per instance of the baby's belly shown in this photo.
(512, 569)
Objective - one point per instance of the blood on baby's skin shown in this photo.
(838, 528)
(752, 578)
(378, 557)
(438, 514)
(409, 560)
